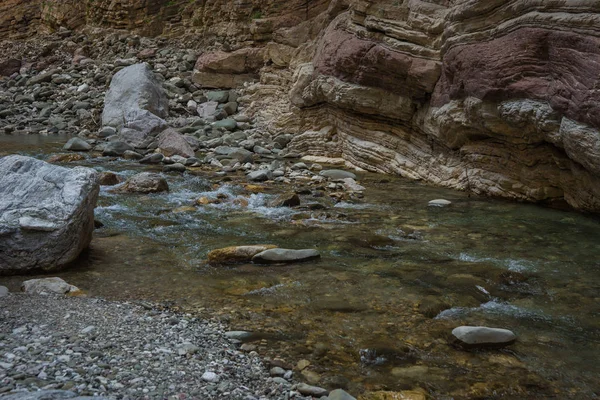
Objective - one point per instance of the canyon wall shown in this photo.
(497, 97)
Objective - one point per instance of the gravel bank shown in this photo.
(123, 351)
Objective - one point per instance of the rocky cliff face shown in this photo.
(497, 97)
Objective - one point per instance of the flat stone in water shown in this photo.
(309, 390)
(439, 203)
(337, 174)
(339, 394)
(285, 256)
(236, 254)
(3, 291)
(482, 336)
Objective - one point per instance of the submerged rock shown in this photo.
(286, 200)
(237, 254)
(482, 336)
(48, 285)
(337, 174)
(272, 256)
(145, 182)
(46, 214)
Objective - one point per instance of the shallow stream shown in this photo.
(395, 277)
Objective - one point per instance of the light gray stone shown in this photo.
(46, 214)
(3, 291)
(339, 394)
(309, 390)
(136, 100)
(238, 335)
(337, 174)
(482, 336)
(285, 256)
(439, 203)
(77, 144)
(133, 89)
(48, 285)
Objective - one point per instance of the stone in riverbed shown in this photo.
(134, 88)
(144, 182)
(210, 377)
(65, 158)
(439, 203)
(228, 123)
(116, 148)
(272, 256)
(238, 335)
(77, 144)
(171, 142)
(259, 176)
(3, 291)
(309, 390)
(108, 178)
(49, 395)
(339, 394)
(46, 214)
(286, 200)
(482, 336)
(237, 254)
(48, 285)
(177, 167)
(337, 174)
(154, 158)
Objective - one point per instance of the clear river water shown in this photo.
(395, 277)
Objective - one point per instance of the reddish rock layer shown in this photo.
(562, 68)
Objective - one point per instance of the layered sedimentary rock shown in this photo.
(497, 97)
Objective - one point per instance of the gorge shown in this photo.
(435, 164)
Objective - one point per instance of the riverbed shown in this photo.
(395, 276)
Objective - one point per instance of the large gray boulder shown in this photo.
(46, 214)
(136, 100)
